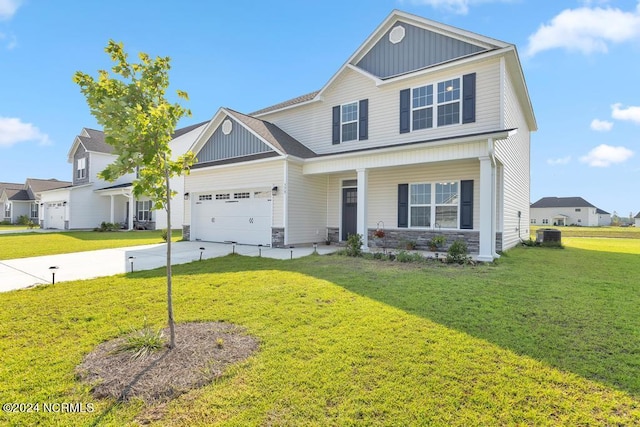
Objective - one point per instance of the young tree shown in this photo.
(138, 122)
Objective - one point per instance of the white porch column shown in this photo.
(112, 213)
(132, 210)
(362, 217)
(486, 210)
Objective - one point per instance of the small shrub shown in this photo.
(142, 342)
(457, 253)
(164, 234)
(408, 245)
(106, 226)
(219, 343)
(354, 245)
(24, 220)
(5, 222)
(404, 256)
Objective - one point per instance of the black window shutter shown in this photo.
(466, 204)
(405, 111)
(336, 125)
(469, 98)
(364, 119)
(403, 205)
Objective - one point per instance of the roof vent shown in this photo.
(396, 34)
(227, 126)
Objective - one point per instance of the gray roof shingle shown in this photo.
(562, 202)
(288, 103)
(274, 135)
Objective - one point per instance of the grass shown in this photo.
(542, 337)
(13, 227)
(29, 244)
(602, 232)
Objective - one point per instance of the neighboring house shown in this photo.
(637, 218)
(561, 211)
(18, 200)
(89, 200)
(424, 131)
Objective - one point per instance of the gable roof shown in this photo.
(32, 186)
(273, 135)
(472, 46)
(562, 202)
(602, 212)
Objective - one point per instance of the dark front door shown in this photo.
(349, 211)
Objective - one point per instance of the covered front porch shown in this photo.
(121, 205)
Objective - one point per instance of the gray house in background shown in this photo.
(562, 211)
(18, 200)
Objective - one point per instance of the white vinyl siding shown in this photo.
(307, 204)
(383, 189)
(311, 124)
(514, 154)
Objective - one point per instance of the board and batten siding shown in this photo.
(311, 124)
(307, 206)
(259, 175)
(514, 155)
(382, 194)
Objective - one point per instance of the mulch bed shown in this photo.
(196, 360)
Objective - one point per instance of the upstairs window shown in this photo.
(81, 170)
(350, 122)
(443, 103)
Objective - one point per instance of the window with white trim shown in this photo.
(241, 195)
(223, 196)
(81, 170)
(7, 210)
(202, 197)
(144, 210)
(34, 210)
(533, 220)
(545, 221)
(349, 122)
(446, 103)
(434, 205)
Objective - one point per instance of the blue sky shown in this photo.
(581, 61)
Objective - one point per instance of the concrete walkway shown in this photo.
(25, 272)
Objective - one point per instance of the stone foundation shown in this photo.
(420, 239)
(333, 234)
(277, 237)
(186, 232)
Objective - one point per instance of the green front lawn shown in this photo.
(30, 244)
(545, 336)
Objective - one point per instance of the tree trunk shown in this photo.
(172, 332)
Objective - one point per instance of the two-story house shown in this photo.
(90, 200)
(424, 131)
(561, 211)
(23, 200)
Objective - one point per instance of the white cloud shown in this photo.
(9, 41)
(601, 125)
(605, 155)
(559, 161)
(456, 6)
(8, 8)
(586, 30)
(630, 113)
(14, 131)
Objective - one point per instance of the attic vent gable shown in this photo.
(396, 34)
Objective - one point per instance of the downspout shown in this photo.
(492, 156)
(285, 203)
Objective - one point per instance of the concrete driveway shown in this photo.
(25, 272)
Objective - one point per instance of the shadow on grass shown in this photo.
(573, 309)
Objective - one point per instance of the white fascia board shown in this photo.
(208, 130)
(230, 113)
(198, 170)
(495, 136)
(367, 74)
(315, 99)
(521, 87)
(74, 147)
(475, 57)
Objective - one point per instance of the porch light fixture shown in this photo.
(64, 203)
(53, 269)
(274, 190)
(186, 196)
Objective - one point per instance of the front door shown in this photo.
(349, 212)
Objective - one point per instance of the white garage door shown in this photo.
(55, 215)
(232, 216)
